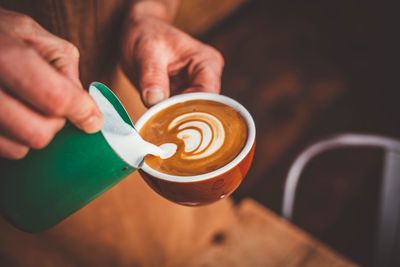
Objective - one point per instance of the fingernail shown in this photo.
(153, 96)
(93, 124)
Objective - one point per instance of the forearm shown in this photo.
(162, 9)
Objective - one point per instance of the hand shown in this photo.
(161, 60)
(39, 87)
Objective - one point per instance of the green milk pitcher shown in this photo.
(47, 185)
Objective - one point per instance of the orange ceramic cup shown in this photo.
(209, 187)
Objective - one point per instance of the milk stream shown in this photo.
(123, 138)
(163, 151)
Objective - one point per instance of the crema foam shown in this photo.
(208, 135)
(202, 134)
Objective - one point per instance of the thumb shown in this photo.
(153, 81)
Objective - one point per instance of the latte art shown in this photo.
(202, 134)
(208, 135)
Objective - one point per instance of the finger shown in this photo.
(205, 71)
(47, 90)
(23, 125)
(65, 59)
(204, 80)
(153, 80)
(12, 150)
(63, 55)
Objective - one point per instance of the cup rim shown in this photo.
(201, 96)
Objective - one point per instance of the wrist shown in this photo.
(149, 9)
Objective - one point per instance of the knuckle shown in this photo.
(84, 109)
(146, 48)
(19, 153)
(60, 123)
(12, 150)
(24, 20)
(215, 55)
(18, 22)
(57, 101)
(40, 139)
(219, 57)
(152, 80)
(150, 70)
(146, 43)
(209, 54)
(70, 49)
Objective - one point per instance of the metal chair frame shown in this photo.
(387, 252)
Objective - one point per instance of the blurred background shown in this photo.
(306, 71)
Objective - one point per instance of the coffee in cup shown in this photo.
(208, 135)
(215, 136)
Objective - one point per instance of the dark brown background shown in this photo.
(307, 70)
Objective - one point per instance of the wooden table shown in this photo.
(220, 235)
(130, 225)
(258, 237)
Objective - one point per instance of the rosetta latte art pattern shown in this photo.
(202, 133)
(208, 135)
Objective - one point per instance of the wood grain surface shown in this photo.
(257, 237)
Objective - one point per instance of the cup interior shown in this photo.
(200, 96)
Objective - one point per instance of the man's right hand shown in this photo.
(39, 87)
